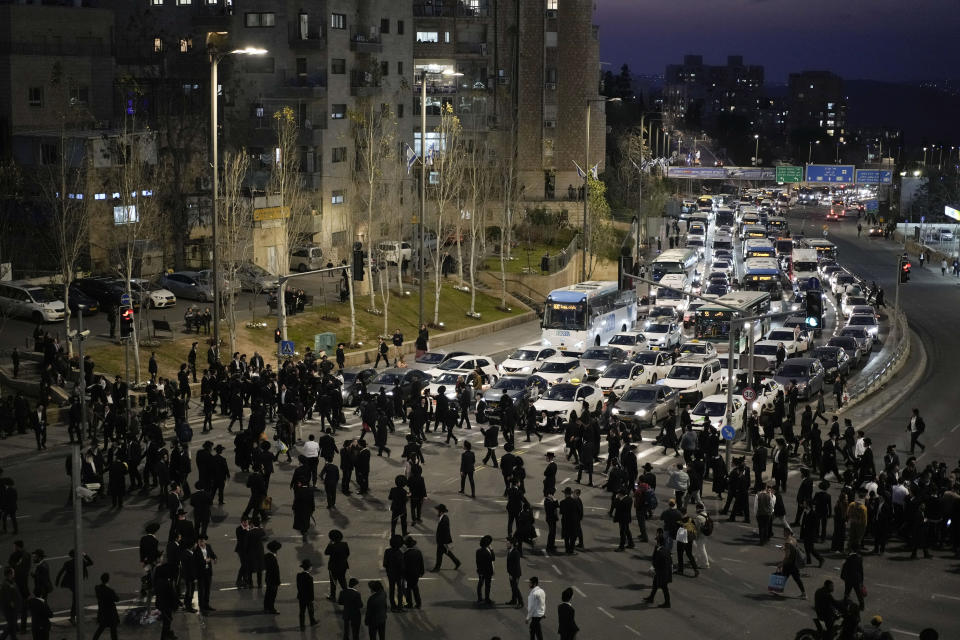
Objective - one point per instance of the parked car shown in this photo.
(395, 252)
(226, 286)
(835, 362)
(431, 359)
(306, 258)
(412, 382)
(567, 400)
(619, 377)
(596, 359)
(854, 349)
(517, 387)
(448, 380)
(25, 300)
(77, 299)
(253, 277)
(656, 364)
(526, 359)
(155, 297)
(468, 362)
(714, 409)
(108, 292)
(633, 342)
(189, 285)
(560, 369)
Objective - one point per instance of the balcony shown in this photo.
(302, 86)
(365, 40)
(451, 9)
(471, 48)
(213, 17)
(313, 42)
(363, 84)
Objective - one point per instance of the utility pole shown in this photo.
(584, 241)
(75, 470)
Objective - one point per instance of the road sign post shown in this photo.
(787, 174)
(286, 348)
(749, 394)
(728, 432)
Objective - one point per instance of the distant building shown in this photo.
(695, 87)
(818, 107)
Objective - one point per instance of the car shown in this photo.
(796, 321)
(619, 376)
(226, 285)
(828, 267)
(833, 215)
(596, 359)
(861, 334)
(26, 300)
(351, 383)
(723, 266)
(188, 284)
(698, 347)
(77, 299)
(868, 322)
(307, 258)
(875, 231)
(835, 362)
(633, 342)
(662, 311)
(253, 277)
(694, 377)
(662, 335)
(394, 252)
(645, 405)
(155, 297)
(656, 364)
(840, 280)
(714, 410)
(794, 341)
(469, 362)
(716, 291)
(853, 348)
(767, 349)
(718, 277)
(560, 369)
(517, 386)
(849, 301)
(107, 291)
(430, 359)
(448, 380)
(807, 372)
(863, 310)
(526, 359)
(568, 401)
(725, 255)
(412, 382)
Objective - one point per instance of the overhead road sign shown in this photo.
(874, 176)
(722, 173)
(950, 212)
(788, 173)
(832, 173)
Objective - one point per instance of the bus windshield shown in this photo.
(565, 315)
(712, 323)
(661, 269)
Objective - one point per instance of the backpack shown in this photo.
(707, 527)
(650, 500)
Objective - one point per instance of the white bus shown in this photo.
(712, 322)
(675, 261)
(587, 314)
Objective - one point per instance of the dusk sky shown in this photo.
(890, 40)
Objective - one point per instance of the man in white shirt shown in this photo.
(859, 446)
(311, 451)
(536, 608)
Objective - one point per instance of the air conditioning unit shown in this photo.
(551, 13)
(550, 124)
(550, 86)
(503, 80)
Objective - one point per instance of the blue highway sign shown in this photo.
(834, 173)
(874, 176)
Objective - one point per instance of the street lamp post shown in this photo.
(215, 58)
(837, 157)
(75, 470)
(924, 156)
(810, 149)
(756, 150)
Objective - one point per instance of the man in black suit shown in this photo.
(352, 603)
(204, 557)
(514, 571)
(569, 520)
(305, 596)
(219, 473)
(272, 569)
(468, 462)
(412, 572)
(107, 616)
(444, 539)
(40, 615)
(485, 558)
(566, 616)
(550, 474)
(337, 565)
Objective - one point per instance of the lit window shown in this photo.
(338, 112)
(147, 193)
(186, 44)
(158, 45)
(428, 36)
(156, 2)
(116, 195)
(552, 5)
(262, 19)
(99, 196)
(336, 197)
(338, 21)
(184, 3)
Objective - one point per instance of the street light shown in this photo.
(924, 156)
(839, 142)
(215, 58)
(756, 149)
(810, 149)
(426, 70)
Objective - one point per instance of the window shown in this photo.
(550, 39)
(156, 2)
(339, 154)
(400, 110)
(262, 19)
(336, 197)
(80, 94)
(551, 75)
(158, 45)
(338, 66)
(428, 36)
(400, 27)
(552, 5)
(338, 21)
(301, 66)
(384, 68)
(339, 112)
(35, 96)
(48, 153)
(99, 196)
(446, 37)
(184, 3)
(384, 25)
(400, 67)
(186, 45)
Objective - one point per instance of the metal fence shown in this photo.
(554, 263)
(866, 385)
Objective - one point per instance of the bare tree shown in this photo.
(448, 163)
(287, 183)
(479, 177)
(508, 188)
(236, 224)
(373, 128)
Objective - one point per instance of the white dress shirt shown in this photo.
(536, 603)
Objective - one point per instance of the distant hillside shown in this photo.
(924, 114)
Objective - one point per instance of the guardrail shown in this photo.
(865, 386)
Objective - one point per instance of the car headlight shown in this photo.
(802, 385)
(756, 405)
(615, 411)
(641, 413)
(450, 395)
(525, 369)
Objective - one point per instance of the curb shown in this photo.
(906, 388)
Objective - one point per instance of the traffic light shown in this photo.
(904, 269)
(357, 261)
(277, 336)
(814, 309)
(126, 323)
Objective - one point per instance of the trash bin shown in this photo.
(326, 342)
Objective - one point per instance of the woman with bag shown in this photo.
(789, 566)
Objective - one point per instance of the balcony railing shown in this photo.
(365, 40)
(363, 83)
(314, 40)
(451, 9)
(475, 48)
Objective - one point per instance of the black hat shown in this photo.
(550, 454)
(218, 448)
(305, 563)
(207, 444)
(274, 546)
(647, 466)
(567, 490)
(181, 512)
(152, 527)
(442, 508)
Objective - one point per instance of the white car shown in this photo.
(868, 322)
(723, 265)
(620, 376)
(526, 359)
(567, 400)
(698, 347)
(766, 349)
(848, 302)
(793, 341)
(862, 310)
(694, 377)
(468, 362)
(156, 297)
(633, 342)
(714, 408)
(662, 335)
(656, 364)
(560, 369)
(448, 379)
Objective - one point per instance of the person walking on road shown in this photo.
(352, 603)
(375, 617)
(514, 572)
(412, 572)
(444, 539)
(662, 571)
(305, 595)
(485, 563)
(272, 577)
(852, 575)
(337, 565)
(916, 427)
(468, 462)
(567, 616)
(536, 608)
(107, 616)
